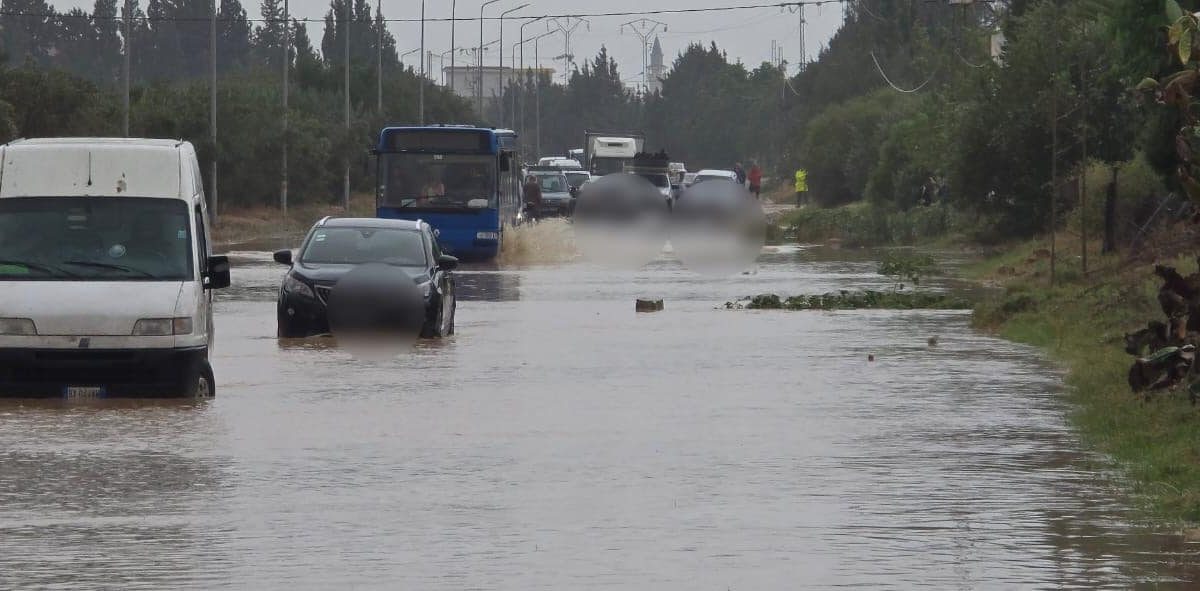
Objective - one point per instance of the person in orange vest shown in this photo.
(801, 186)
(755, 178)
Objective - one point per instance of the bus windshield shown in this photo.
(438, 181)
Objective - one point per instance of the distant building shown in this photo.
(657, 70)
(465, 79)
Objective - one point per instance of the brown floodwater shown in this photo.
(561, 441)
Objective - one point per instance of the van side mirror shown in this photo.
(447, 262)
(283, 257)
(218, 272)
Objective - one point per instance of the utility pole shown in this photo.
(1083, 132)
(379, 63)
(453, 25)
(644, 28)
(502, 80)
(567, 29)
(424, 70)
(346, 82)
(479, 59)
(287, 65)
(803, 54)
(1054, 147)
(212, 62)
(128, 48)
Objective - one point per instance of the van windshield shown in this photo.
(95, 239)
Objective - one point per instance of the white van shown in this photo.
(106, 269)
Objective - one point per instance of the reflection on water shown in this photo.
(560, 440)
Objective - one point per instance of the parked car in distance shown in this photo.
(715, 175)
(335, 246)
(106, 269)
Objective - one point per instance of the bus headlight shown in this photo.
(487, 236)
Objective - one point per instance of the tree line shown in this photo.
(907, 106)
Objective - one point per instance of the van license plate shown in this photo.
(83, 392)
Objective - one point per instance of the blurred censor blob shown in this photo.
(621, 220)
(717, 228)
(376, 311)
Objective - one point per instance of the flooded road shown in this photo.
(561, 441)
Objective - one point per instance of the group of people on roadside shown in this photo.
(753, 178)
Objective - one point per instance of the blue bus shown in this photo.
(464, 181)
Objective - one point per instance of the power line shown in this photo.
(662, 11)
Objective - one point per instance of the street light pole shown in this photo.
(453, 25)
(212, 62)
(287, 65)
(421, 88)
(502, 15)
(379, 62)
(479, 58)
(346, 81)
(128, 47)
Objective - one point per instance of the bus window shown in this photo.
(439, 181)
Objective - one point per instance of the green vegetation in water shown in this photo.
(856, 300)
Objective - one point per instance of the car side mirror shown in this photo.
(218, 272)
(447, 262)
(283, 257)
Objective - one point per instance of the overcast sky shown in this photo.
(745, 35)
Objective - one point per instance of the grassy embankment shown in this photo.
(263, 224)
(1080, 322)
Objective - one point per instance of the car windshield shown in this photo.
(577, 179)
(95, 239)
(356, 246)
(553, 183)
(438, 181)
(659, 180)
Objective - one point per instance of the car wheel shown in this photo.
(286, 328)
(199, 382)
(435, 327)
(453, 310)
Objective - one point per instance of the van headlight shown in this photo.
(162, 327)
(17, 326)
(300, 288)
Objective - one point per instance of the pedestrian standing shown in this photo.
(801, 187)
(755, 178)
(532, 197)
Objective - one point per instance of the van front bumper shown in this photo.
(120, 372)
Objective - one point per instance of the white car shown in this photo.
(106, 269)
(710, 174)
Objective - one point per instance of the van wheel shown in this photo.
(199, 382)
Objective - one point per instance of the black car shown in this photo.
(335, 247)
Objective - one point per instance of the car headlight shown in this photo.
(161, 327)
(426, 288)
(17, 326)
(300, 288)
(487, 235)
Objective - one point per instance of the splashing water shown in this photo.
(546, 241)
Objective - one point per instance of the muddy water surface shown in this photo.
(561, 441)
